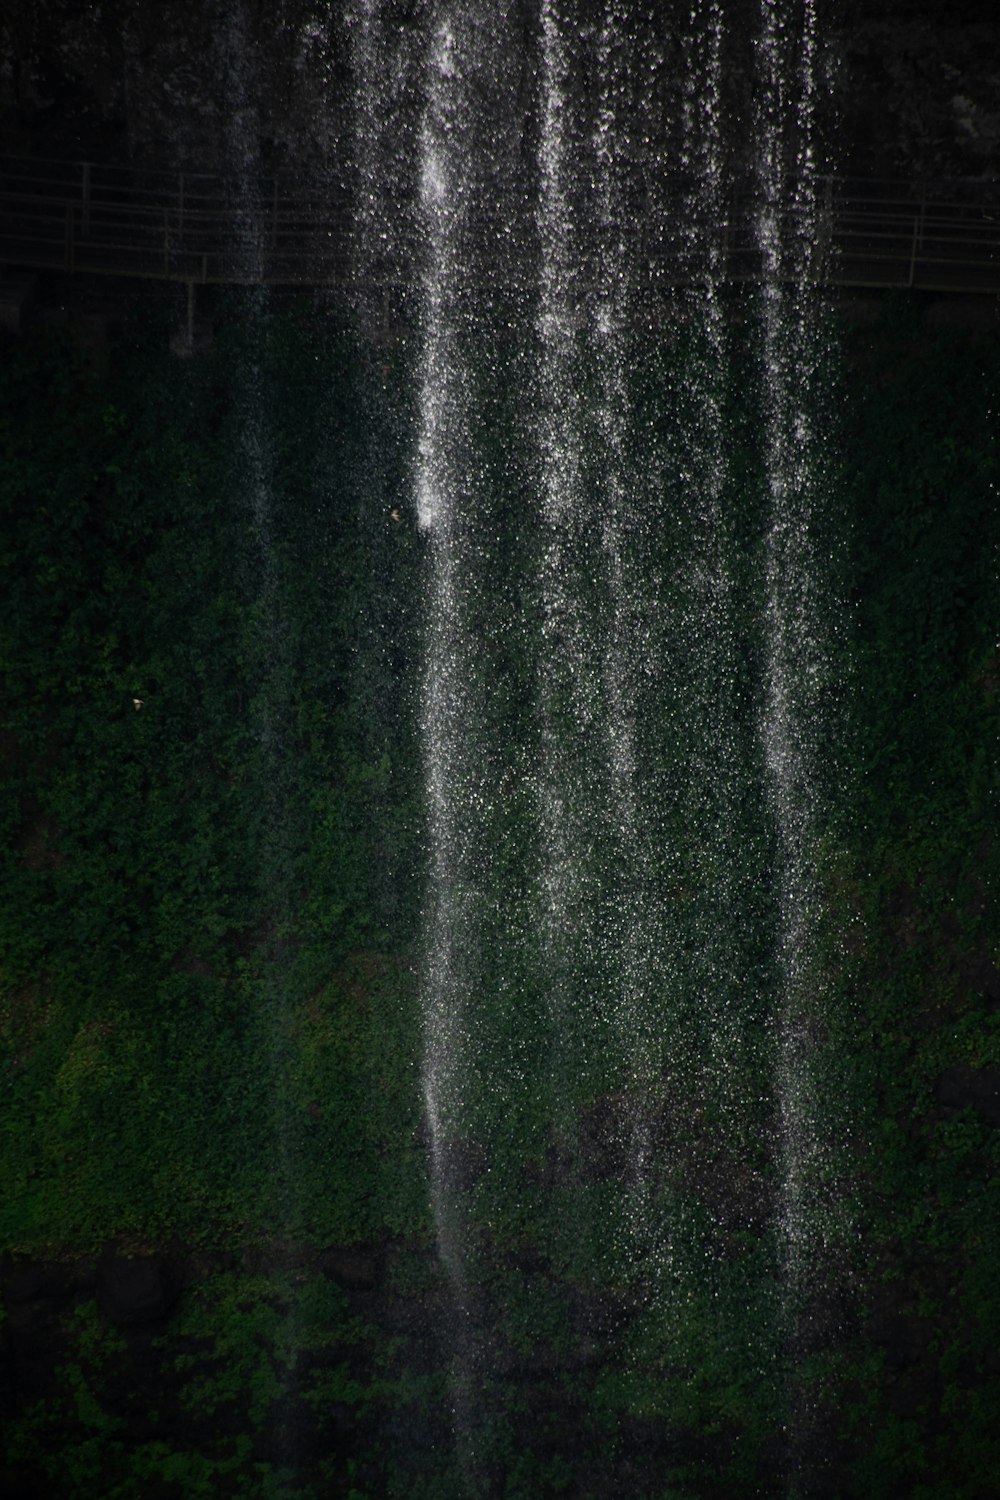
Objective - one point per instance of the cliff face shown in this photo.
(909, 90)
(916, 95)
(184, 1301)
(182, 83)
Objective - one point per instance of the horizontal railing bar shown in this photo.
(108, 220)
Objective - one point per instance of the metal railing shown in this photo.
(203, 228)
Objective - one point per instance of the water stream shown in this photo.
(624, 663)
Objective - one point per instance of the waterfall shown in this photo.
(797, 665)
(459, 141)
(387, 65)
(569, 679)
(627, 646)
(451, 738)
(667, 897)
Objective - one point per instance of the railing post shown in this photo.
(918, 236)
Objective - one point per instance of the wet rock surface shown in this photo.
(134, 1289)
(965, 1087)
(911, 90)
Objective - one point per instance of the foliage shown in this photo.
(209, 1012)
(163, 921)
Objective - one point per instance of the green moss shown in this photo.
(210, 1016)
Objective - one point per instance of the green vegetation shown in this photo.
(921, 468)
(208, 1010)
(209, 886)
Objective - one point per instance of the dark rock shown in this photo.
(902, 1336)
(541, 1360)
(901, 915)
(341, 1420)
(358, 1270)
(36, 1293)
(951, 925)
(983, 977)
(134, 1289)
(186, 961)
(462, 1163)
(735, 1194)
(530, 1260)
(964, 1087)
(15, 1486)
(911, 1393)
(606, 1139)
(34, 1282)
(896, 1328)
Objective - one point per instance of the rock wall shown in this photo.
(911, 89)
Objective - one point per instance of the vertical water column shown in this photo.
(387, 64)
(372, 159)
(796, 661)
(456, 758)
(632, 930)
(570, 677)
(728, 965)
(717, 770)
(238, 72)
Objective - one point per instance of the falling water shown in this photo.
(635, 929)
(793, 642)
(719, 774)
(659, 875)
(460, 144)
(797, 669)
(387, 64)
(719, 1062)
(449, 722)
(569, 671)
(599, 933)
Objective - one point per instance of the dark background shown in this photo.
(218, 1268)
